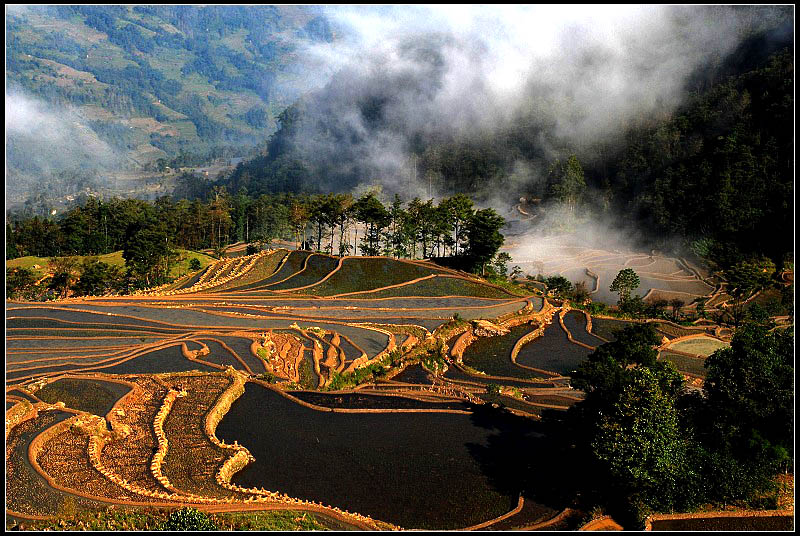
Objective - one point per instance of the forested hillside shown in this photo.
(143, 83)
(150, 87)
(721, 170)
(717, 172)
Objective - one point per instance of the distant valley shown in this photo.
(95, 90)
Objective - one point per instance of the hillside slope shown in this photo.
(148, 82)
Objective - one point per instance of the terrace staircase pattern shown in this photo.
(186, 350)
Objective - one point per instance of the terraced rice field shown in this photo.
(414, 374)
(438, 286)
(702, 346)
(606, 328)
(263, 268)
(93, 396)
(725, 521)
(289, 266)
(315, 268)
(428, 490)
(689, 354)
(575, 322)
(553, 352)
(661, 277)
(694, 366)
(492, 355)
(362, 273)
(163, 398)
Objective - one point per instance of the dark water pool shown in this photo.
(414, 374)
(553, 351)
(417, 470)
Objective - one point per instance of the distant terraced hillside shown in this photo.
(150, 82)
(324, 314)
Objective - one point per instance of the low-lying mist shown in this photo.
(44, 141)
(404, 79)
(412, 89)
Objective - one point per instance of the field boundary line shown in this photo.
(517, 509)
(302, 269)
(387, 287)
(295, 289)
(122, 358)
(648, 524)
(564, 310)
(280, 267)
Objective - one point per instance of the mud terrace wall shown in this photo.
(545, 314)
(564, 310)
(94, 427)
(364, 360)
(19, 412)
(524, 316)
(601, 523)
(223, 405)
(666, 346)
(163, 443)
(517, 509)
(648, 524)
(211, 278)
(466, 338)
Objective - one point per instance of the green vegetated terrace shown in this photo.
(440, 285)
(121, 519)
(367, 274)
(93, 396)
(492, 355)
(315, 268)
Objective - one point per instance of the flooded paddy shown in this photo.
(14, 376)
(168, 359)
(492, 355)
(455, 373)
(553, 351)
(419, 470)
(241, 345)
(19, 345)
(364, 401)
(219, 355)
(414, 374)
(580, 262)
(607, 327)
(575, 321)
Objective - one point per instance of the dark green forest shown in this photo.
(149, 233)
(718, 174)
(641, 442)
